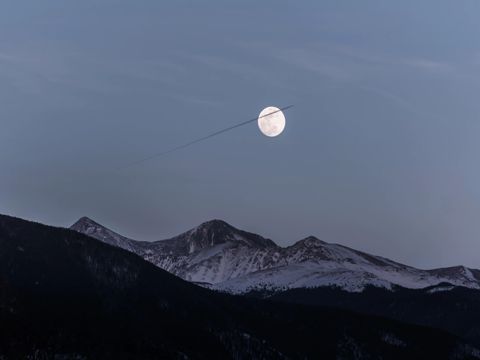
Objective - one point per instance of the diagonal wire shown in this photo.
(183, 146)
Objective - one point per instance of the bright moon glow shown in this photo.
(271, 121)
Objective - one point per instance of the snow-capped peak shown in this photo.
(89, 227)
(237, 261)
(216, 232)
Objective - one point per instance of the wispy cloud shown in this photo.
(428, 65)
(344, 63)
(372, 57)
(326, 65)
(29, 71)
(250, 70)
(398, 100)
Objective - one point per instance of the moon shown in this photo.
(271, 121)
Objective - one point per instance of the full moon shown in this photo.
(271, 121)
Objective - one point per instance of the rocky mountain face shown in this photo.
(65, 295)
(228, 259)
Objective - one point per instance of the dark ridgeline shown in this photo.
(63, 293)
(452, 308)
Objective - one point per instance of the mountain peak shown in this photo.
(91, 228)
(314, 239)
(84, 223)
(215, 232)
(310, 241)
(216, 223)
(84, 220)
(213, 229)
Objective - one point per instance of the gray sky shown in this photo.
(380, 151)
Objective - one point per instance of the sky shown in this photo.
(380, 151)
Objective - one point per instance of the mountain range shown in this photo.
(66, 295)
(222, 257)
(312, 272)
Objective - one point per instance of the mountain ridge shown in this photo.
(237, 261)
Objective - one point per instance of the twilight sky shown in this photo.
(380, 152)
